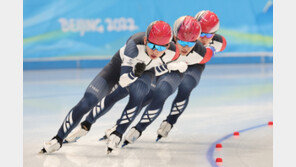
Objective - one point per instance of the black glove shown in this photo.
(139, 69)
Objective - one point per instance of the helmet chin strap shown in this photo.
(146, 51)
(146, 46)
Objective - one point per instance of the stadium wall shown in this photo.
(85, 34)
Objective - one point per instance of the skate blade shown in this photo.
(74, 141)
(42, 151)
(109, 150)
(103, 138)
(66, 142)
(158, 138)
(124, 144)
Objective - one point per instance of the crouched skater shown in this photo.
(135, 60)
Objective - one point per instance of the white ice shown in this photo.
(229, 98)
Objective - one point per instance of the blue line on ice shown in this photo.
(210, 152)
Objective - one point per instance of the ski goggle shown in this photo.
(158, 47)
(206, 35)
(184, 43)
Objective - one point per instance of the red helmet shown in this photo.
(159, 32)
(187, 28)
(208, 20)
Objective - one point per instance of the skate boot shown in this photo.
(53, 145)
(77, 133)
(108, 133)
(163, 130)
(113, 141)
(132, 135)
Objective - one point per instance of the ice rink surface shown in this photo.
(229, 98)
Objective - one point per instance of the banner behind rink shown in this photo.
(86, 29)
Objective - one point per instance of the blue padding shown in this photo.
(40, 65)
(235, 60)
(241, 60)
(95, 63)
(268, 59)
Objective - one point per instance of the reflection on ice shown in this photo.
(229, 97)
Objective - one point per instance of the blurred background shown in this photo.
(85, 34)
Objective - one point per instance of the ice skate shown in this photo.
(108, 132)
(132, 135)
(76, 134)
(113, 141)
(163, 130)
(53, 145)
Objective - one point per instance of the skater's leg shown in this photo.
(146, 101)
(106, 104)
(190, 81)
(99, 87)
(165, 86)
(99, 110)
(95, 92)
(89, 100)
(148, 97)
(137, 94)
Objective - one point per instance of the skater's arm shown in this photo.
(160, 70)
(127, 76)
(218, 42)
(127, 72)
(174, 63)
(180, 66)
(200, 54)
(210, 52)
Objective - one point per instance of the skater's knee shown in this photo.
(99, 87)
(139, 90)
(138, 96)
(188, 84)
(88, 101)
(90, 98)
(163, 90)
